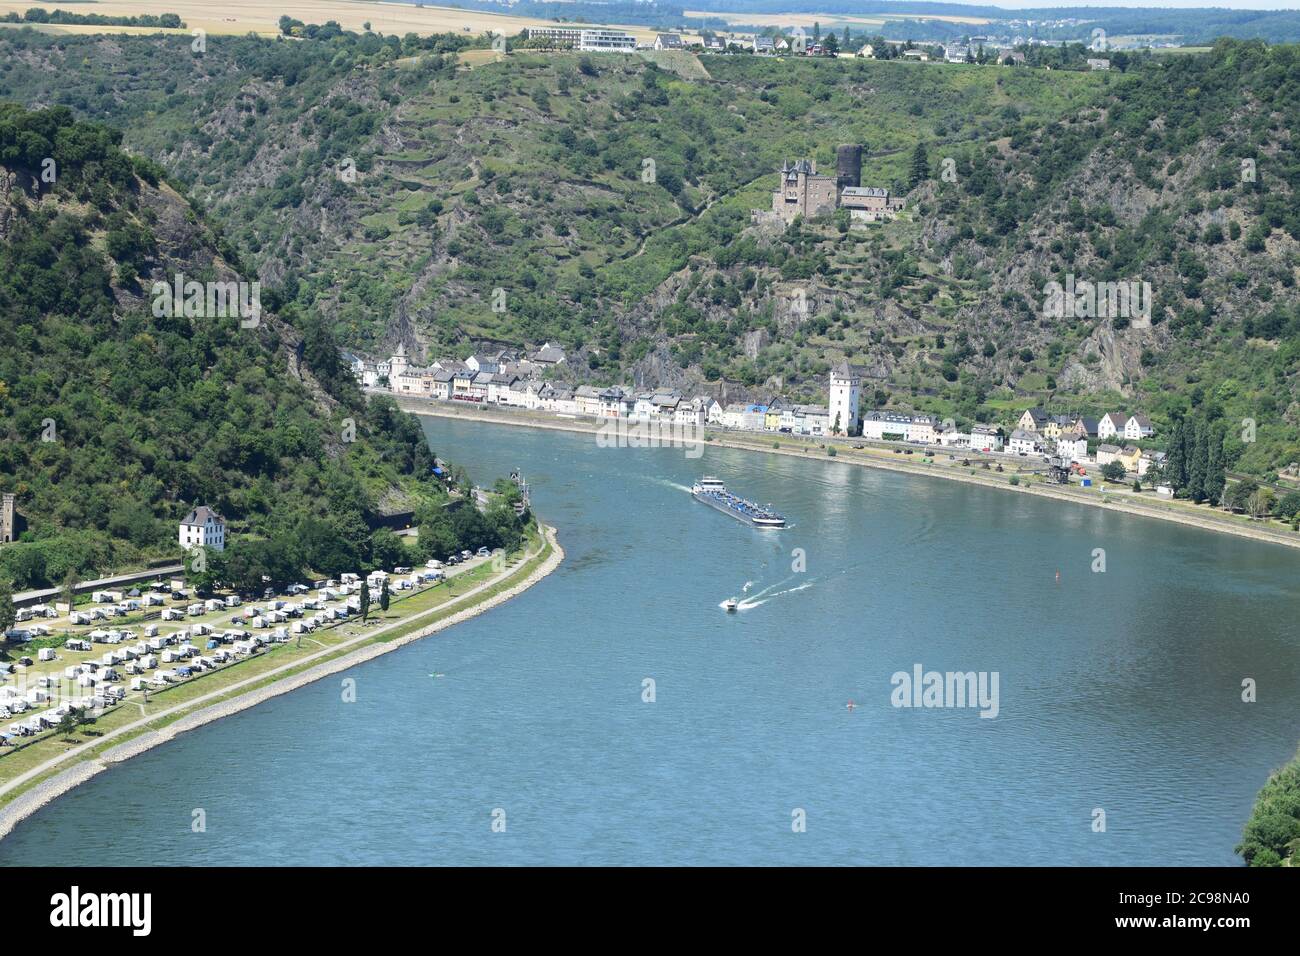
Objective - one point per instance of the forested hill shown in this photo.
(115, 420)
(385, 185)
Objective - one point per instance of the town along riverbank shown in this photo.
(926, 461)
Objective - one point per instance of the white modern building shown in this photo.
(606, 41)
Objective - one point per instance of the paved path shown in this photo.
(35, 597)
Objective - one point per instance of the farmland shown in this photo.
(239, 17)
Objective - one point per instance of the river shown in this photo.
(525, 736)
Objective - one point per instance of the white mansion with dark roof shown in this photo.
(203, 527)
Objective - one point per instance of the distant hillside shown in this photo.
(603, 202)
(115, 420)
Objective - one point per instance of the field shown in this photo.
(257, 16)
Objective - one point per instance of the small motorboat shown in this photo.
(730, 605)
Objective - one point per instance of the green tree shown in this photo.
(8, 613)
(203, 570)
(68, 723)
(1215, 476)
(920, 169)
(1176, 464)
(383, 596)
(365, 600)
(1272, 834)
(386, 550)
(1113, 471)
(1289, 506)
(1239, 495)
(1197, 460)
(324, 548)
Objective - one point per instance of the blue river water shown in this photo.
(524, 737)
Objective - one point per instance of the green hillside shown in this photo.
(115, 420)
(525, 184)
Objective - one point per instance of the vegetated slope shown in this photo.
(1186, 178)
(115, 421)
(528, 176)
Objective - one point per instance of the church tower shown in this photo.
(399, 362)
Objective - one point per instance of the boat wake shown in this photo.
(676, 486)
(759, 598)
(756, 601)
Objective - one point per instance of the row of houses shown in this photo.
(509, 380)
(880, 425)
(778, 416)
(1067, 437)
(1118, 425)
(1072, 448)
(506, 379)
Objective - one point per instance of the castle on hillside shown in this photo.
(802, 191)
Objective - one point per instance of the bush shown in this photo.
(1272, 834)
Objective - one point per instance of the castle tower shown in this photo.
(848, 166)
(846, 390)
(8, 519)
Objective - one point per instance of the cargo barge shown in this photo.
(712, 492)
